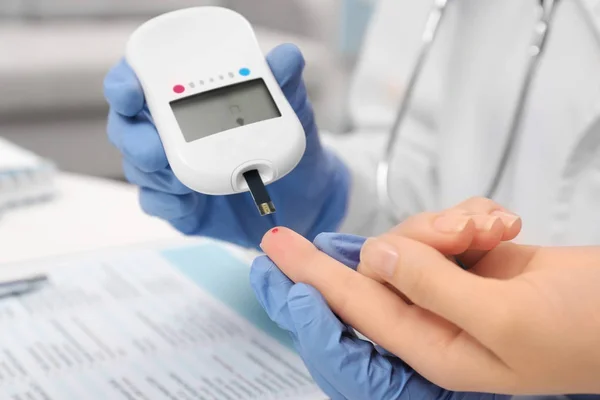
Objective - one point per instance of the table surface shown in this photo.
(87, 214)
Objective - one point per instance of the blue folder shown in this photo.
(225, 277)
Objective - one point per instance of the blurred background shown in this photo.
(54, 55)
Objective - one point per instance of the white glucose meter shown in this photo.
(224, 122)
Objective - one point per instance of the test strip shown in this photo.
(259, 193)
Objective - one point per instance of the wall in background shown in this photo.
(354, 19)
(68, 9)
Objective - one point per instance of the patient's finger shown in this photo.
(454, 231)
(451, 233)
(490, 231)
(484, 206)
(493, 224)
(358, 300)
(435, 284)
(431, 345)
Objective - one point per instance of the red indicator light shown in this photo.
(178, 89)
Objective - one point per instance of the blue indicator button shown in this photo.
(244, 72)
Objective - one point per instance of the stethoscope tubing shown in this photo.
(431, 32)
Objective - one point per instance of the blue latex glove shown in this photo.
(343, 366)
(309, 200)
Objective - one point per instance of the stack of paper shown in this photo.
(146, 324)
(24, 176)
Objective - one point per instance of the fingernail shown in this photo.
(380, 256)
(485, 222)
(508, 218)
(451, 223)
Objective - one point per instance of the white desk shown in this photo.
(87, 214)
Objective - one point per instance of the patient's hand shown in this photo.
(467, 230)
(521, 320)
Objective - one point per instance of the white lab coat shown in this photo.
(460, 118)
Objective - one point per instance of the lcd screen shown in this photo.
(229, 107)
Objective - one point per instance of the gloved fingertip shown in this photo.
(123, 91)
(288, 53)
(286, 62)
(342, 247)
(324, 238)
(339, 239)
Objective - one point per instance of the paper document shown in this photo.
(132, 326)
(24, 177)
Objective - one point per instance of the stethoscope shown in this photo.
(542, 29)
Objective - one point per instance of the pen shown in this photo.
(21, 286)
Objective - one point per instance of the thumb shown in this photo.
(123, 91)
(287, 64)
(433, 282)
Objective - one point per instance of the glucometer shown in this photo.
(224, 122)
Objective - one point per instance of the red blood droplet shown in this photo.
(275, 230)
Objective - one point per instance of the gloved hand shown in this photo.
(309, 200)
(344, 366)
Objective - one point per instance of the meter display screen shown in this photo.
(225, 108)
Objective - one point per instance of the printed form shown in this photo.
(133, 327)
